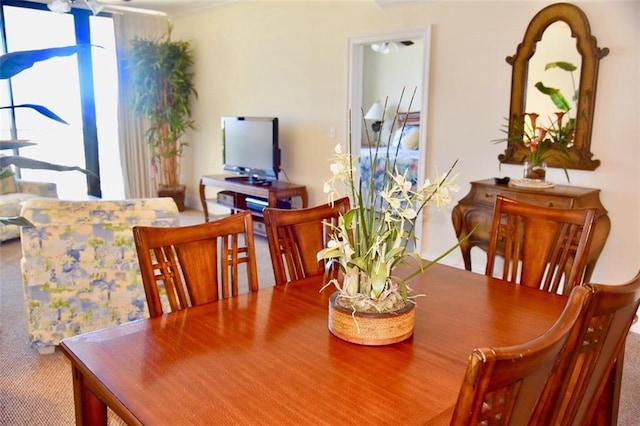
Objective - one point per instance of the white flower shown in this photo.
(372, 237)
(409, 213)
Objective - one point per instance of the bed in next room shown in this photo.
(403, 149)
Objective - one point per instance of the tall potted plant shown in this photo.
(162, 83)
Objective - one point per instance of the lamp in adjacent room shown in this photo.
(390, 46)
(94, 6)
(375, 113)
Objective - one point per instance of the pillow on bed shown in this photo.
(411, 141)
(407, 136)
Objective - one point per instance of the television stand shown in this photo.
(233, 191)
(249, 180)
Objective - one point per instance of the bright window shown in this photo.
(55, 83)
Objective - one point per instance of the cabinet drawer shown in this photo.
(226, 198)
(259, 228)
(487, 195)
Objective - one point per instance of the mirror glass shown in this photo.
(389, 68)
(557, 56)
(381, 66)
(556, 45)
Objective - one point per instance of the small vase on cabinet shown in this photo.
(535, 172)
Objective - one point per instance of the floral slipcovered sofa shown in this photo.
(14, 191)
(79, 264)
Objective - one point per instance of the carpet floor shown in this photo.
(36, 389)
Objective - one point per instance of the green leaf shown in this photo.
(556, 96)
(361, 263)
(16, 220)
(28, 163)
(442, 256)
(15, 62)
(378, 281)
(41, 109)
(328, 253)
(5, 173)
(567, 66)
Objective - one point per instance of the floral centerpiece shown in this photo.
(552, 141)
(371, 239)
(546, 142)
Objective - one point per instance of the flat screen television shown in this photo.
(250, 147)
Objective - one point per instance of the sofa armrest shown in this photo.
(43, 189)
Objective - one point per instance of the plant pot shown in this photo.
(371, 329)
(535, 172)
(175, 192)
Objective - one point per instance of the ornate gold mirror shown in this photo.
(574, 59)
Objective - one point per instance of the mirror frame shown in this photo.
(575, 18)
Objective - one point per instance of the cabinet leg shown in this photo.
(466, 257)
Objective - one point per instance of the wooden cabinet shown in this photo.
(476, 209)
(238, 193)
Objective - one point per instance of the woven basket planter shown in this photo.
(175, 192)
(372, 329)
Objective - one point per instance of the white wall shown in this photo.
(289, 59)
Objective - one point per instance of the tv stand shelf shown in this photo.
(235, 189)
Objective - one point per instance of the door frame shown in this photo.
(356, 47)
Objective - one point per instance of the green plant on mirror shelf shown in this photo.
(555, 139)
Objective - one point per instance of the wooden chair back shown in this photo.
(296, 236)
(505, 385)
(542, 247)
(599, 348)
(190, 263)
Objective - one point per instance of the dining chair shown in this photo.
(542, 247)
(183, 261)
(599, 351)
(504, 385)
(296, 236)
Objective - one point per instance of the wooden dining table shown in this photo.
(268, 357)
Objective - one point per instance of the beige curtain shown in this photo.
(139, 180)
